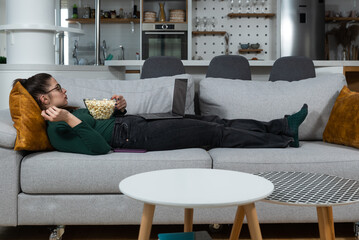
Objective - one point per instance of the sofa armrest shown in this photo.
(9, 185)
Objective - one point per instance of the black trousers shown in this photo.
(193, 131)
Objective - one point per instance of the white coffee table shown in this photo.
(198, 188)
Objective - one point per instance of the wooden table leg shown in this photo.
(237, 224)
(146, 221)
(188, 220)
(252, 219)
(326, 223)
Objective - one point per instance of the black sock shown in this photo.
(294, 122)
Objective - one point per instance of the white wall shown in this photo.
(2, 22)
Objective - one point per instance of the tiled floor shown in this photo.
(344, 231)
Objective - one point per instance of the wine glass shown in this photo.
(263, 2)
(213, 23)
(239, 6)
(205, 21)
(254, 5)
(248, 3)
(197, 22)
(231, 5)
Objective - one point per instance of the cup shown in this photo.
(255, 46)
(244, 45)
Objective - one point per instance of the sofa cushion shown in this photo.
(7, 131)
(57, 172)
(264, 100)
(30, 125)
(311, 156)
(142, 96)
(343, 124)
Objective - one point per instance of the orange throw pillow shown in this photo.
(29, 124)
(343, 124)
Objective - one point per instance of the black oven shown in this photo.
(164, 40)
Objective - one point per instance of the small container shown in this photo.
(100, 109)
(121, 13)
(113, 14)
(87, 12)
(244, 45)
(255, 46)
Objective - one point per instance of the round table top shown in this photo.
(311, 189)
(196, 187)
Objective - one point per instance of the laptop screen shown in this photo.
(179, 96)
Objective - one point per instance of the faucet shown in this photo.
(122, 53)
(104, 50)
(74, 52)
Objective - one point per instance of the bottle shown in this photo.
(87, 12)
(162, 15)
(134, 15)
(74, 11)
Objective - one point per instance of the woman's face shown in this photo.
(57, 94)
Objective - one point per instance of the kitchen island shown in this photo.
(260, 69)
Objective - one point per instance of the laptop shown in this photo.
(178, 103)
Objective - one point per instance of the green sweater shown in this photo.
(91, 136)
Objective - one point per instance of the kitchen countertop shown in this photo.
(51, 67)
(139, 63)
(254, 63)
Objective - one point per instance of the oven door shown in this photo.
(164, 43)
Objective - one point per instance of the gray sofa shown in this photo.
(55, 188)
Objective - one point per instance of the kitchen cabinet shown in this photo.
(165, 29)
(352, 76)
(209, 33)
(341, 19)
(118, 36)
(265, 15)
(103, 20)
(154, 6)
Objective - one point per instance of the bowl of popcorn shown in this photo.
(100, 109)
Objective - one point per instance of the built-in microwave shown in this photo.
(165, 39)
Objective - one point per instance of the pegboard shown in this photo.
(241, 30)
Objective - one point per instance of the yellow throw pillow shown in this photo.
(29, 124)
(343, 124)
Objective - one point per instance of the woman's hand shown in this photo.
(55, 114)
(120, 102)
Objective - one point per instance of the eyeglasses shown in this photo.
(58, 88)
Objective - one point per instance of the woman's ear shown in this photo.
(45, 101)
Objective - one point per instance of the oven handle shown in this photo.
(164, 33)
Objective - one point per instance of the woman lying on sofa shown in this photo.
(77, 131)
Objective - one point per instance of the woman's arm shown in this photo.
(80, 139)
(68, 133)
(54, 114)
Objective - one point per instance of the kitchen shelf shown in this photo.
(250, 50)
(341, 19)
(265, 15)
(166, 22)
(197, 33)
(103, 20)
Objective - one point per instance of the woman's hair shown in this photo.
(36, 85)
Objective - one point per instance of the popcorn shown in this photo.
(100, 109)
